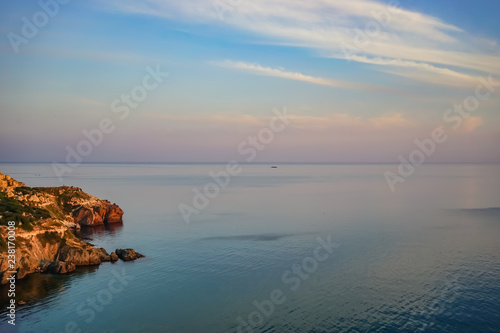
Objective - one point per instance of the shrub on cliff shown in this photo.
(12, 210)
(52, 237)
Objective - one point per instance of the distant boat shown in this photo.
(274, 166)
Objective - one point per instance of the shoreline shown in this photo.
(39, 229)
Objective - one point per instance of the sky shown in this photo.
(360, 80)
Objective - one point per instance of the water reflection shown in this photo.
(37, 287)
(89, 233)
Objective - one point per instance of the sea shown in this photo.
(299, 248)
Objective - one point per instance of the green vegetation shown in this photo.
(12, 210)
(55, 211)
(49, 237)
(24, 190)
(63, 196)
(27, 216)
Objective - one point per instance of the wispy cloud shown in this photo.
(246, 122)
(331, 26)
(421, 71)
(279, 72)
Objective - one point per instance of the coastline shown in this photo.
(37, 227)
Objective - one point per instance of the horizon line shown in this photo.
(239, 162)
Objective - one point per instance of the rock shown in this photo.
(102, 212)
(24, 268)
(114, 214)
(75, 226)
(87, 217)
(81, 256)
(61, 267)
(70, 267)
(113, 256)
(104, 255)
(44, 266)
(7, 183)
(46, 246)
(128, 254)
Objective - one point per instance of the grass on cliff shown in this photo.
(12, 210)
(55, 211)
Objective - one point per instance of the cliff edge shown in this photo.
(43, 218)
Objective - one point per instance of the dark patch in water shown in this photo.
(261, 238)
(482, 212)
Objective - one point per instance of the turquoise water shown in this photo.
(418, 260)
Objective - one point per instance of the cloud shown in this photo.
(366, 28)
(470, 124)
(277, 72)
(334, 136)
(251, 123)
(422, 71)
(347, 123)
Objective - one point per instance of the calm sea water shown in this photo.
(418, 260)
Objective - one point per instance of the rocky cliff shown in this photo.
(66, 204)
(43, 219)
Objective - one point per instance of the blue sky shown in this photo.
(226, 74)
